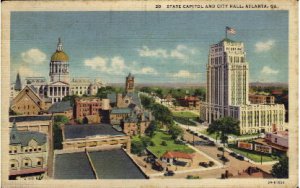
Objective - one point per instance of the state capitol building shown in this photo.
(60, 84)
(227, 91)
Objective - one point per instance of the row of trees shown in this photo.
(176, 93)
(163, 116)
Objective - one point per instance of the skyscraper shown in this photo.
(228, 89)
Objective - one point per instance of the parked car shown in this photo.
(211, 143)
(239, 157)
(169, 173)
(205, 138)
(224, 159)
(204, 164)
(211, 163)
(220, 148)
(233, 154)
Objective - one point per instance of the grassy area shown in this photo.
(213, 135)
(186, 114)
(159, 150)
(237, 136)
(253, 155)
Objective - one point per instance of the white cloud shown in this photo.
(96, 63)
(182, 74)
(112, 66)
(148, 70)
(269, 70)
(117, 65)
(34, 56)
(264, 46)
(180, 52)
(146, 52)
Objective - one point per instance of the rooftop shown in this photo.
(115, 164)
(177, 154)
(73, 166)
(85, 130)
(23, 137)
(30, 118)
(120, 111)
(109, 164)
(60, 107)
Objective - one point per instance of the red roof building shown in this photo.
(177, 154)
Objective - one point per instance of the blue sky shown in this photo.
(154, 46)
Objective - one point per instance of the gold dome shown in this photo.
(60, 56)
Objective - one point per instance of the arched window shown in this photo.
(39, 161)
(26, 162)
(14, 164)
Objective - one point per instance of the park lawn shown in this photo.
(213, 135)
(237, 136)
(185, 114)
(254, 156)
(159, 150)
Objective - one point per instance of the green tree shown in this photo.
(146, 89)
(103, 91)
(147, 102)
(57, 132)
(70, 98)
(224, 126)
(61, 119)
(281, 169)
(137, 147)
(152, 128)
(175, 131)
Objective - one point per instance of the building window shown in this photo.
(34, 150)
(30, 150)
(10, 151)
(275, 140)
(40, 149)
(15, 151)
(26, 164)
(12, 165)
(26, 150)
(39, 163)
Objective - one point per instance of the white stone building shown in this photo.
(59, 76)
(84, 86)
(228, 88)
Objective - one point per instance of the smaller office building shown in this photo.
(93, 136)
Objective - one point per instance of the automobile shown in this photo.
(239, 157)
(211, 143)
(224, 159)
(233, 154)
(211, 163)
(220, 148)
(201, 136)
(204, 164)
(205, 138)
(169, 173)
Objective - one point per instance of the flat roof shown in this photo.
(108, 164)
(115, 164)
(73, 166)
(85, 130)
(30, 118)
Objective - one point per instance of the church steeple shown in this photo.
(18, 85)
(14, 134)
(59, 45)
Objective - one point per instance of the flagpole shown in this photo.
(225, 32)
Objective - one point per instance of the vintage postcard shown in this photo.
(149, 94)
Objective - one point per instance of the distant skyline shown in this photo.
(157, 47)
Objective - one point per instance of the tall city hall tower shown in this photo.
(227, 90)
